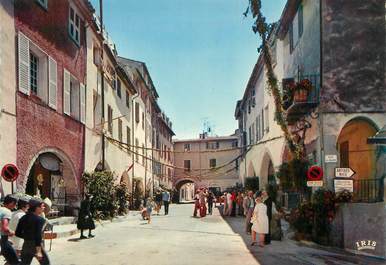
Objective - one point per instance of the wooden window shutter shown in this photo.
(24, 64)
(52, 85)
(82, 103)
(66, 92)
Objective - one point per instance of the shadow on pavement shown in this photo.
(291, 252)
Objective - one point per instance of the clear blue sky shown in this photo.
(200, 54)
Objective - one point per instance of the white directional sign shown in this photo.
(344, 172)
(331, 158)
(343, 184)
(315, 183)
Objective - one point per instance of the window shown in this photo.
(187, 165)
(34, 66)
(273, 53)
(262, 123)
(74, 97)
(143, 120)
(37, 72)
(120, 130)
(97, 110)
(136, 150)
(212, 145)
(43, 3)
(187, 147)
(250, 134)
(119, 88)
(74, 26)
(212, 163)
(137, 118)
(266, 118)
(128, 138)
(300, 20)
(291, 38)
(97, 54)
(258, 128)
(110, 119)
(253, 133)
(74, 101)
(127, 100)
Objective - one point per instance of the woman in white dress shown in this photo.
(259, 221)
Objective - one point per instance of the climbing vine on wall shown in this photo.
(261, 27)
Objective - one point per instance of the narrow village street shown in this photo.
(179, 239)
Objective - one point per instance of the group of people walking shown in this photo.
(160, 198)
(202, 198)
(22, 230)
(258, 209)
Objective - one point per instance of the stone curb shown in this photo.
(119, 219)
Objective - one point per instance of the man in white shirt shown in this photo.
(22, 207)
(7, 250)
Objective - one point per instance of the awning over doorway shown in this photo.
(379, 137)
(50, 161)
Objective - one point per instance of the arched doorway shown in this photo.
(267, 171)
(354, 151)
(52, 175)
(186, 190)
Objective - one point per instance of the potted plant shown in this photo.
(301, 90)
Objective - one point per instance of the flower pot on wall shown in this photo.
(300, 95)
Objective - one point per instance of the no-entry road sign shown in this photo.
(344, 172)
(315, 173)
(10, 172)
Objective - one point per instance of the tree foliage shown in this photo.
(252, 183)
(108, 199)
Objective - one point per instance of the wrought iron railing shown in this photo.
(368, 190)
(291, 200)
(314, 95)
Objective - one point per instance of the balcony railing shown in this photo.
(296, 108)
(368, 190)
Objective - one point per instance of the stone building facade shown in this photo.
(325, 43)
(207, 162)
(7, 90)
(50, 101)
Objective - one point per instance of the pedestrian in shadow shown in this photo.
(210, 200)
(85, 221)
(166, 201)
(268, 202)
(259, 220)
(30, 228)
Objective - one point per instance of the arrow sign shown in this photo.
(344, 172)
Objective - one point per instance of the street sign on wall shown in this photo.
(314, 173)
(343, 184)
(331, 158)
(9, 172)
(316, 183)
(344, 172)
(315, 176)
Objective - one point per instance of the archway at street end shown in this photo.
(186, 189)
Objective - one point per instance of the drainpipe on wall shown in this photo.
(145, 150)
(132, 145)
(320, 120)
(102, 87)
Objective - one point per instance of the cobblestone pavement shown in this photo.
(179, 239)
